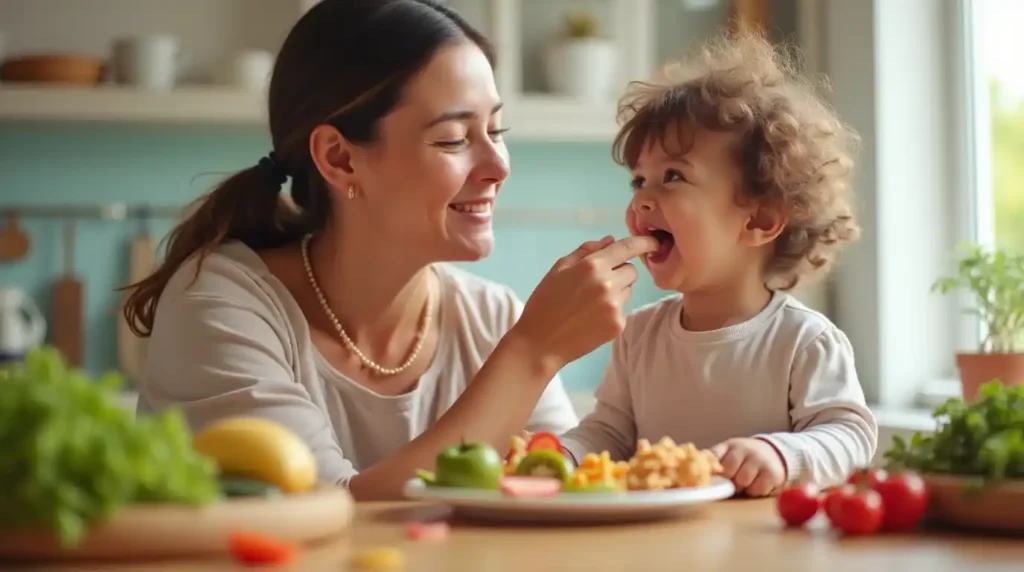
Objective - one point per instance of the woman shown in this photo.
(330, 314)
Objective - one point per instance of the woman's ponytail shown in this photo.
(248, 206)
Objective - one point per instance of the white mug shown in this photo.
(251, 70)
(148, 62)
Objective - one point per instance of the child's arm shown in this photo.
(834, 432)
(610, 427)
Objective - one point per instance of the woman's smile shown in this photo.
(479, 211)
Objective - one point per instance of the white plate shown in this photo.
(572, 507)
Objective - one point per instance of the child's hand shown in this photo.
(753, 465)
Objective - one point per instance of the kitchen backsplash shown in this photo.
(170, 166)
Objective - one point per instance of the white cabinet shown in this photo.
(644, 32)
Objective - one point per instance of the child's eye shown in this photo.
(673, 175)
(636, 183)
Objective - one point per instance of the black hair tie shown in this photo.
(273, 169)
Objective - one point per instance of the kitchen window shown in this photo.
(994, 50)
(987, 142)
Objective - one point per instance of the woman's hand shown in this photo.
(577, 306)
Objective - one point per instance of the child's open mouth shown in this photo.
(666, 242)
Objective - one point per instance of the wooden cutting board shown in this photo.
(66, 307)
(131, 349)
(164, 531)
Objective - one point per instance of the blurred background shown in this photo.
(116, 113)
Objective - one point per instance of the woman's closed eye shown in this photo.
(494, 134)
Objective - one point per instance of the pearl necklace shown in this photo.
(421, 335)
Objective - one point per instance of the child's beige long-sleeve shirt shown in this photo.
(787, 375)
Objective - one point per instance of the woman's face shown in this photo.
(429, 185)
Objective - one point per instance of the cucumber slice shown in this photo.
(546, 463)
(237, 487)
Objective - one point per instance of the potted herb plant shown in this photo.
(995, 281)
(582, 63)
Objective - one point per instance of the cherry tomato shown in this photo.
(253, 548)
(830, 503)
(544, 440)
(798, 504)
(857, 511)
(905, 497)
(866, 477)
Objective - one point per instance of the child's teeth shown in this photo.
(473, 208)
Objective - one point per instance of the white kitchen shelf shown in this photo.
(123, 105)
(535, 118)
(645, 31)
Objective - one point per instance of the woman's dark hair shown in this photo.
(344, 63)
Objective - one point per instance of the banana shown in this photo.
(256, 448)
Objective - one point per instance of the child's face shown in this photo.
(689, 203)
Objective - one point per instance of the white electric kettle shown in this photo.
(22, 326)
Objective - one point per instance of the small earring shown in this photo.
(351, 191)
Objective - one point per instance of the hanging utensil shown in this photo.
(66, 310)
(14, 242)
(131, 349)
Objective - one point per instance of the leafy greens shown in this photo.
(982, 439)
(74, 456)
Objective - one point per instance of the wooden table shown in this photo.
(739, 534)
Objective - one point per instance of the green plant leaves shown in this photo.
(984, 438)
(73, 457)
(995, 281)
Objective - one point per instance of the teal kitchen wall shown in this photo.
(53, 165)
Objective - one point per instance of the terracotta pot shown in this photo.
(979, 369)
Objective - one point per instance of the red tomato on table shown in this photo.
(253, 548)
(868, 477)
(830, 503)
(855, 511)
(798, 504)
(905, 497)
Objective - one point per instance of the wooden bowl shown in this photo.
(167, 531)
(52, 68)
(997, 507)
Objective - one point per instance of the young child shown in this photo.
(743, 175)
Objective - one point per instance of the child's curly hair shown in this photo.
(793, 150)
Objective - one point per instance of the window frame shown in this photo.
(971, 158)
(896, 68)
